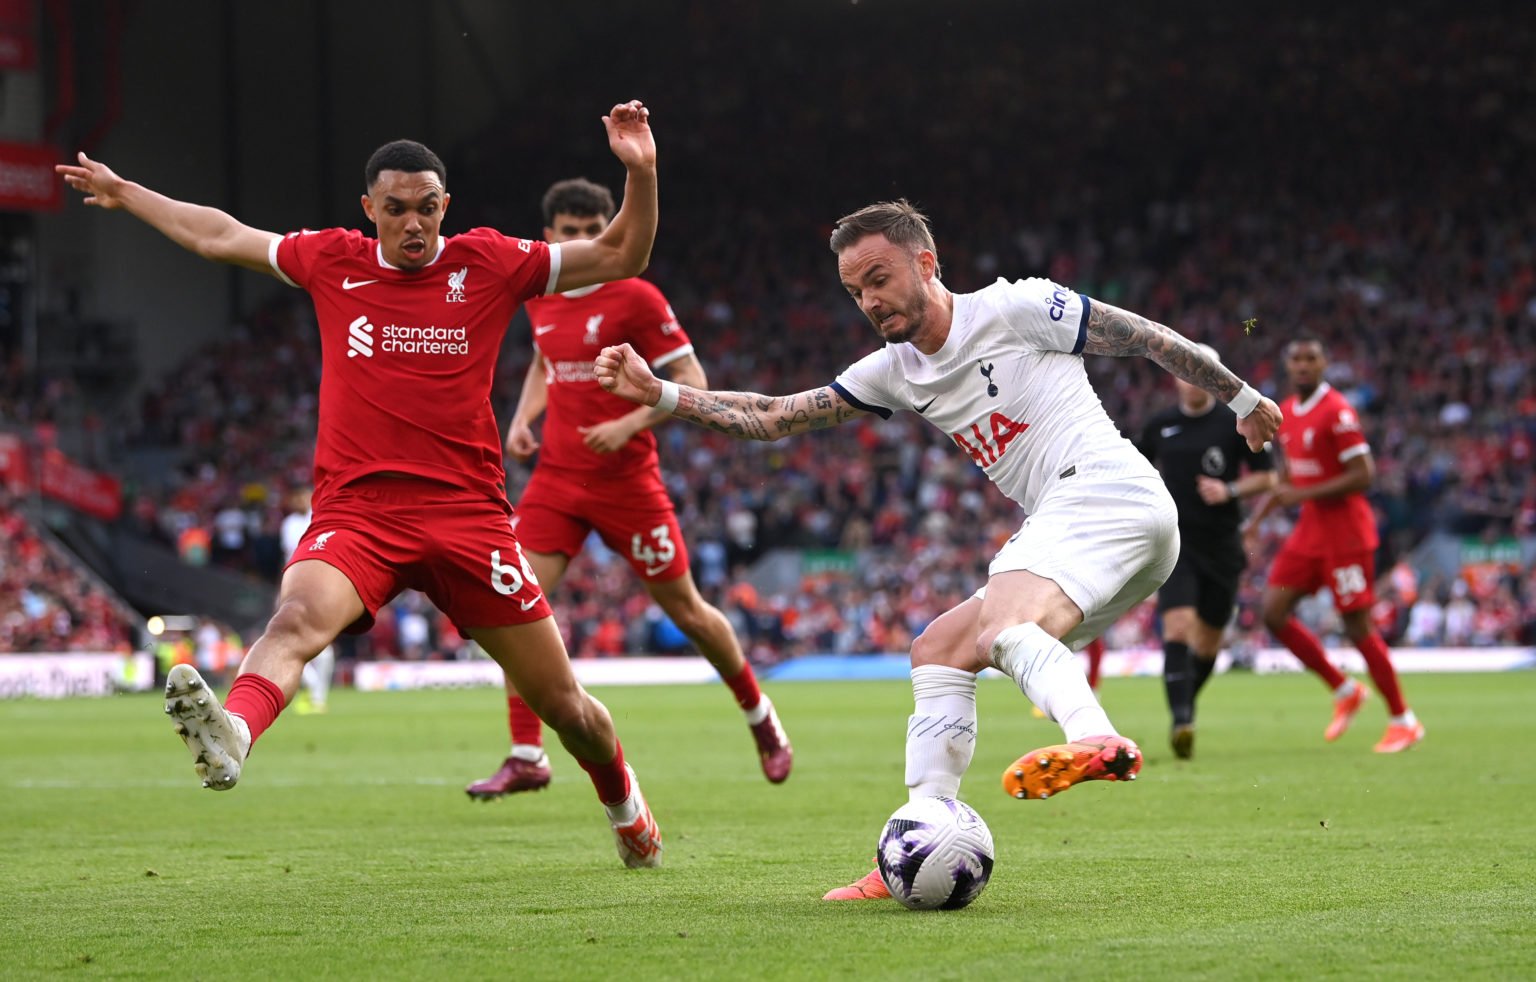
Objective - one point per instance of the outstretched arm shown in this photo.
(209, 232)
(1119, 333)
(610, 435)
(624, 247)
(743, 415)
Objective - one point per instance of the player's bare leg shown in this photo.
(1022, 620)
(705, 625)
(315, 603)
(526, 767)
(1348, 695)
(535, 660)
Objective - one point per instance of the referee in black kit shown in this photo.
(1202, 457)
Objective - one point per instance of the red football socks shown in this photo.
(527, 728)
(256, 700)
(1379, 661)
(1305, 646)
(744, 686)
(1095, 651)
(610, 779)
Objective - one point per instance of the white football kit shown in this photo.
(1010, 389)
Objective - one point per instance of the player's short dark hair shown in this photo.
(577, 196)
(1307, 339)
(899, 221)
(403, 155)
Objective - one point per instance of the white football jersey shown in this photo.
(1009, 387)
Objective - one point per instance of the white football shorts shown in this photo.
(1109, 543)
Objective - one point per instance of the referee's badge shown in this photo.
(1214, 462)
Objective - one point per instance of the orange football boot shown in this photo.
(868, 887)
(1344, 710)
(1052, 770)
(1399, 737)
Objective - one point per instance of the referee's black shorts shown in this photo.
(1205, 578)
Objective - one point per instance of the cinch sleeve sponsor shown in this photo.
(1047, 315)
(863, 384)
(294, 256)
(654, 330)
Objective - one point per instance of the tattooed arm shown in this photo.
(743, 415)
(1116, 332)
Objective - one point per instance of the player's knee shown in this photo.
(693, 618)
(296, 627)
(567, 712)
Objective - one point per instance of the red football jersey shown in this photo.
(408, 356)
(1318, 436)
(569, 330)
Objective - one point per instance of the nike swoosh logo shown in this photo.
(1168, 431)
(348, 284)
(543, 329)
(529, 604)
(653, 571)
(924, 407)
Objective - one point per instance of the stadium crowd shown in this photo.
(1374, 202)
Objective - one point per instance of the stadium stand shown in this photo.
(1412, 254)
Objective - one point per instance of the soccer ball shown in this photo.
(935, 853)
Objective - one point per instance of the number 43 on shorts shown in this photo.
(658, 553)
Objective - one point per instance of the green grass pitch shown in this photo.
(350, 851)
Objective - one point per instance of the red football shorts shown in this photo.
(1350, 575)
(632, 514)
(389, 534)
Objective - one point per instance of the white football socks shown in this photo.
(531, 752)
(941, 732)
(1049, 676)
(759, 712)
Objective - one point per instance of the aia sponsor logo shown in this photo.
(985, 451)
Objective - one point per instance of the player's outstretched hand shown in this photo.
(606, 437)
(629, 134)
(1212, 491)
(624, 373)
(521, 443)
(96, 180)
(1259, 426)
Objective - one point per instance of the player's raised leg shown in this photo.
(705, 625)
(315, 603)
(526, 767)
(534, 658)
(1022, 619)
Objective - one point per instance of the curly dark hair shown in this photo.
(577, 196)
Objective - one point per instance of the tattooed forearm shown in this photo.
(749, 416)
(1119, 333)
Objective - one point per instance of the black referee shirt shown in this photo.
(1184, 447)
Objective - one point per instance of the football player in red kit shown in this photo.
(409, 486)
(597, 470)
(1326, 470)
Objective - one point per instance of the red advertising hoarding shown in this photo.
(27, 179)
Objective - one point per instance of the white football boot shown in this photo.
(219, 742)
(639, 841)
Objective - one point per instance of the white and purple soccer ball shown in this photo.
(935, 853)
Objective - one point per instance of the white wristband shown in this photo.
(669, 394)
(1246, 400)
